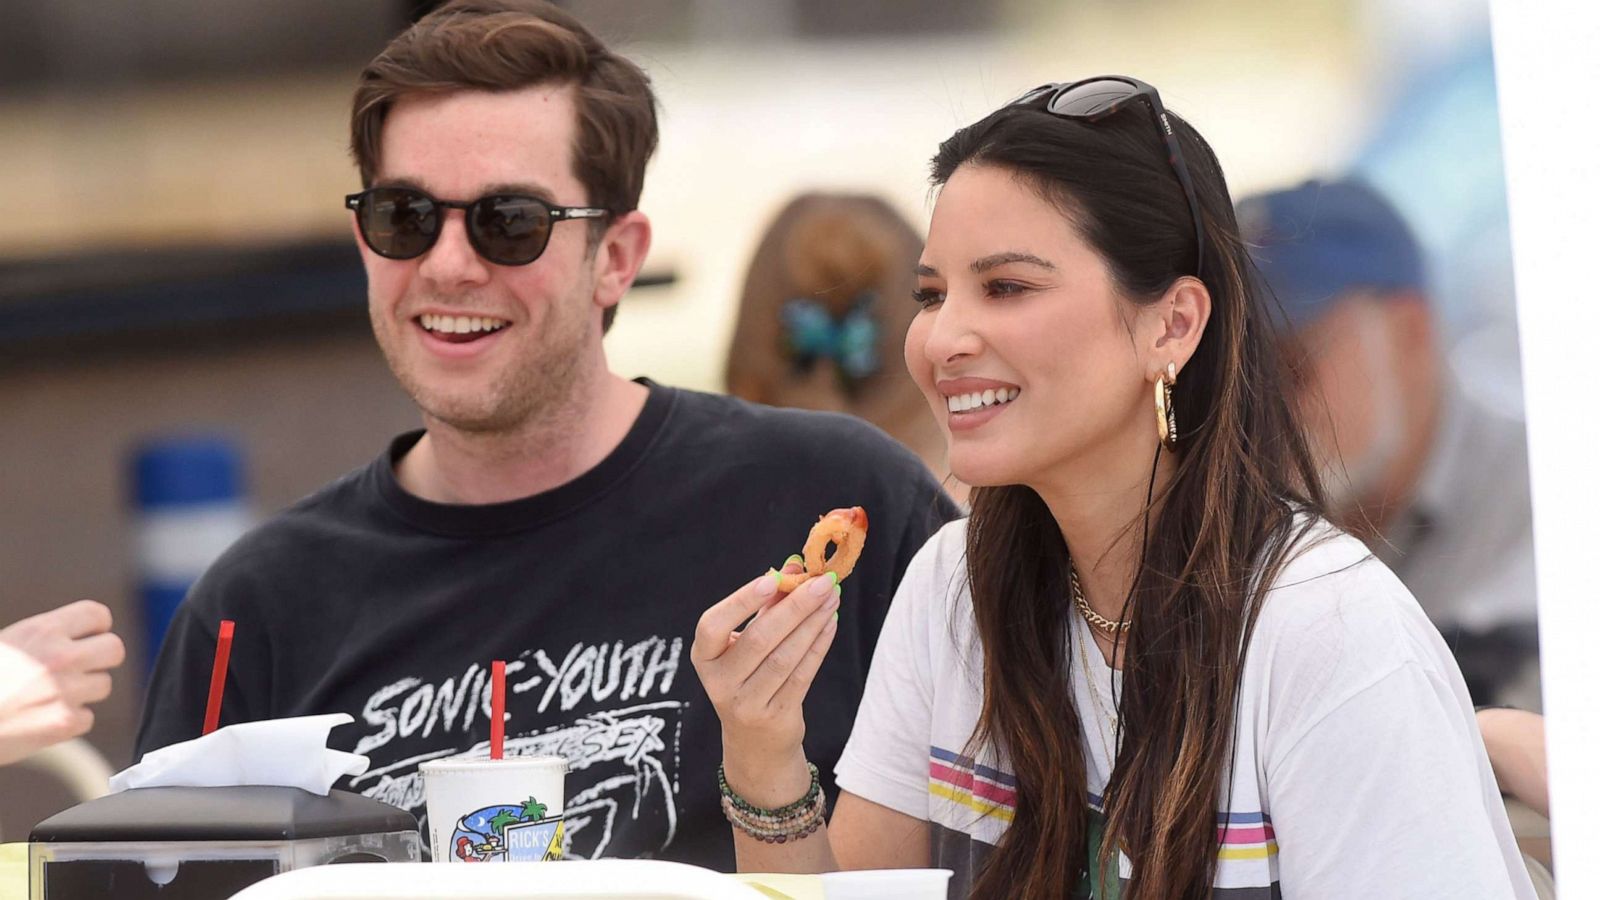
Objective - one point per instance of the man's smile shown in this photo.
(459, 329)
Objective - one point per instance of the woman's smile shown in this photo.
(972, 402)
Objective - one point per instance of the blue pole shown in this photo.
(190, 505)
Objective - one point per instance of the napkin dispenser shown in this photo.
(207, 843)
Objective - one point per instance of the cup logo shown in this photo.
(522, 832)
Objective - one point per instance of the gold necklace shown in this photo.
(1111, 628)
(1102, 715)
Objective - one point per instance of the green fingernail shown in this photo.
(835, 577)
(777, 579)
(793, 558)
(836, 617)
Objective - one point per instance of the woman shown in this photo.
(822, 315)
(1058, 702)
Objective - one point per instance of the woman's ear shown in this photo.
(1180, 318)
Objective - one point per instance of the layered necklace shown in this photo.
(1105, 709)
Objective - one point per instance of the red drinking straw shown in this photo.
(219, 675)
(497, 705)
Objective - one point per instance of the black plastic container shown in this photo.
(207, 843)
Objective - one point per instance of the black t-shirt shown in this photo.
(365, 599)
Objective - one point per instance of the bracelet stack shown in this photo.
(793, 822)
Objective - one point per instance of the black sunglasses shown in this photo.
(505, 229)
(1093, 99)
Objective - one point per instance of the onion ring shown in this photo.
(846, 529)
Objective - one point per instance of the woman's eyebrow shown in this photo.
(1000, 259)
(926, 271)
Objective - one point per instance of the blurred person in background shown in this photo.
(53, 667)
(1146, 666)
(1433, 479)
(551, 513)
(825, 306)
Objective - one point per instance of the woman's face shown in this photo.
(1024, 349)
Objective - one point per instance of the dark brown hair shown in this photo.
(1225, 524)
(504, 45)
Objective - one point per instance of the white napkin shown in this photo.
(288, 752)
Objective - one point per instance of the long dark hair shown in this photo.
(1226, 520)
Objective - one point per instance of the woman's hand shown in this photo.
(52, 666)
(757, 678)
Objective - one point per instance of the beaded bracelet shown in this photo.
(775, 826)
(777, 831)
(746, 806)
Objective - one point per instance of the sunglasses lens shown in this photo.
(398, 223)
(511, 231)
(1033, 95)
(1092, 98)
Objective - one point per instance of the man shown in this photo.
(551, 514)
(1433, 476)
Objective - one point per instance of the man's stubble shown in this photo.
(536, 387)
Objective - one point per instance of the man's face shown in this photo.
(1352, 401)
(482, 347)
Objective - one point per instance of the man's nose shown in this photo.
(452, 260)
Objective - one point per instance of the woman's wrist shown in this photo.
(794, 821)
(767, 779)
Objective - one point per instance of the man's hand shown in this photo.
(52, 666)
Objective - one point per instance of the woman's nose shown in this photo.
(954, 333)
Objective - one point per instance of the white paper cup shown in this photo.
(495, 810)
(883, 884)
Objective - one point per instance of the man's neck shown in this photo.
(452, 466)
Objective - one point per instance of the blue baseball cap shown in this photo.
(1315, 242)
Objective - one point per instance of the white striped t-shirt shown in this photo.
(1359, 770)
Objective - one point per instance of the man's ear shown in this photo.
(355, 232)
(620, 254)
(1179, 321)
(1411, 323)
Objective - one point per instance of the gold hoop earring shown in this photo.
(1166, 412)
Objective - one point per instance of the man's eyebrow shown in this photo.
(410, 183)
(525, 188)
(506, 187)
(1000, 259)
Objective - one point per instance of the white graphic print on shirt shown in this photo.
(617, 757)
